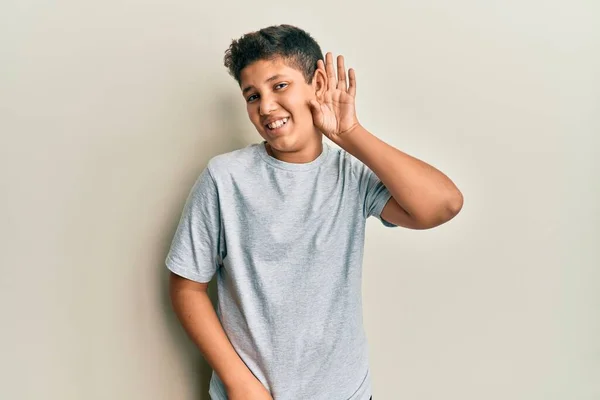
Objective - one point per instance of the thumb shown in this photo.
(317, 114)
(315, 107)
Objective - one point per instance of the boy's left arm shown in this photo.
(422, 196)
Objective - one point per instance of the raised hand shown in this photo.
(335, 113)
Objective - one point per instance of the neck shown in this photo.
(308, 154)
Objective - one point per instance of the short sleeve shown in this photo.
(373, 192)
(195, 251)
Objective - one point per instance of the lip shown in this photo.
(267, 122)
(279, 130)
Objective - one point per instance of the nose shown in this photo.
(266, 105)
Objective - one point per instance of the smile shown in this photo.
(277, 124)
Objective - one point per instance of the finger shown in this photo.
(341, 71)
(321, 65)
(352, 88)
(332, 81)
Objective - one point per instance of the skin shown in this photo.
(288, 95)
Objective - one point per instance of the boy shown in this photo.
(282, 224)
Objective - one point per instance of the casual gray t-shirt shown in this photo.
(286, 241)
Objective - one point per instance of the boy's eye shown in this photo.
(279, 85)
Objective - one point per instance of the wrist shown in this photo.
(239, 379)
(346, 138)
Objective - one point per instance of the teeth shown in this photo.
(278, 123)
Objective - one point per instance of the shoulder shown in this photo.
(348, 163)
(233, 162)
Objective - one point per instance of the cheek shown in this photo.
(253, 114)
(299, 106)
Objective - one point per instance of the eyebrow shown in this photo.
(274, 77)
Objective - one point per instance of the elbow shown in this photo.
(446, 211)
(455, 204)
(453, 207)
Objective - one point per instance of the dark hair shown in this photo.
(294, 45)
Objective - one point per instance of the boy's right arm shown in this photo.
(197, 315)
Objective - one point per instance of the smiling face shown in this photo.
(277, 93)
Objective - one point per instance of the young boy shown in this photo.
(282, 223)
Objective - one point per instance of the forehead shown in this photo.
(262, 72)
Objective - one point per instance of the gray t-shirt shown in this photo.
(286, 241)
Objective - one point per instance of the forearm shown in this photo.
(199, 319)
(421, 190)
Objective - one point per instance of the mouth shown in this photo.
(278, 126)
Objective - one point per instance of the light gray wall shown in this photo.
(110, 110)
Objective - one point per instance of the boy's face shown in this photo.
(274, 91)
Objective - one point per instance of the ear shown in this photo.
(319, 83)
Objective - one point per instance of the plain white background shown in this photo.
(110, 110)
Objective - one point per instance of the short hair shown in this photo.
(294, 45)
